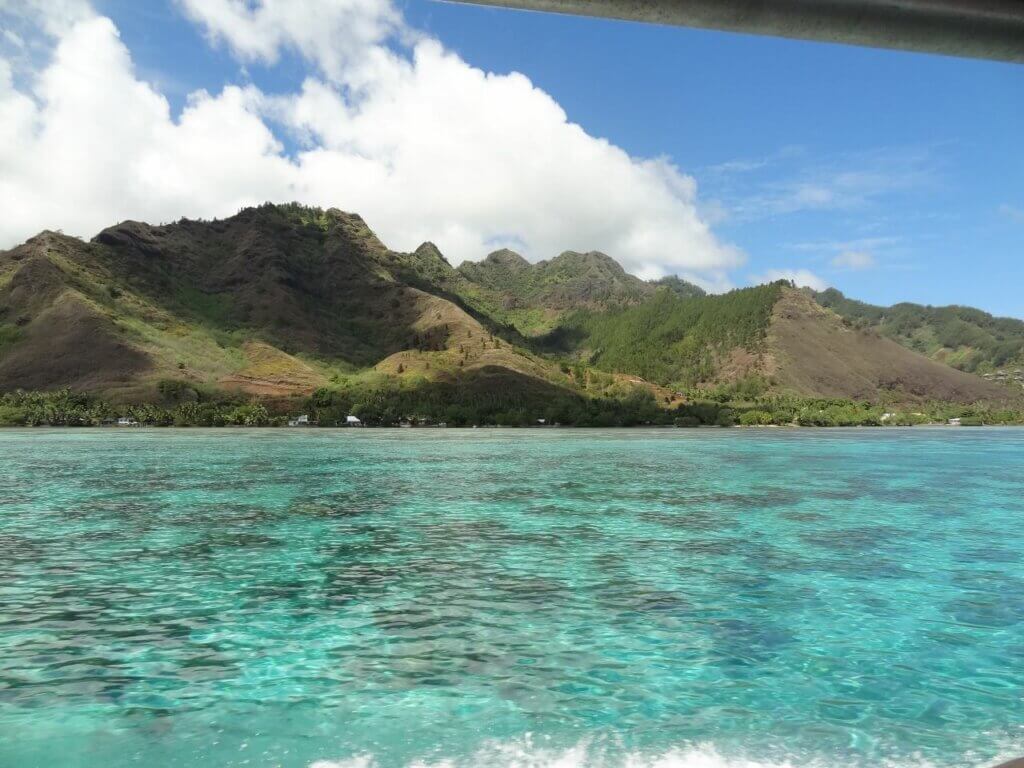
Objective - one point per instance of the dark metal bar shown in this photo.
(986, 29)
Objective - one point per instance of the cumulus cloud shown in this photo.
(802, 277)
(854, 260)
(337, 35)
(92, 144)
(53, 17)
(389, 123)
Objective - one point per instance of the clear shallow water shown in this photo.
(698, 598)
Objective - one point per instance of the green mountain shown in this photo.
(281, 301)
(534, 297)
(963, 337)
(670, 339)
(277, 300)
(680, 287)
(567, 281)
(769, 337)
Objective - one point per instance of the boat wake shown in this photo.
(527, 755)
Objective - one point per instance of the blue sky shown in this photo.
(892, 176)
(749, 116)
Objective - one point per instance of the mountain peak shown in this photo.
(588, 259)
(506, 258)
(585, 256)
(427, 250)
(680, 287)
(570, 280)
(136, 234)
(277, 298)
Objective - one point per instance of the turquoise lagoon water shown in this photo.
(704, 598)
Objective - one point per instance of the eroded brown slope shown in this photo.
(69, 344)
(273, 301)
(310, 287)
(62, 339)
(811, 351)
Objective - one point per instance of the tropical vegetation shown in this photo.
(390, 404)
(286, 308)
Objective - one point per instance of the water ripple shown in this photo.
(800, 599)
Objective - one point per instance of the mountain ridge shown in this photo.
(569, 281)
(285, 300)
(963, 337)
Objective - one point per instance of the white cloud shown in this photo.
(53, 17)
(338, 35)
(848, 181)
(422, 144)
(738, 166)
(13, 38)
(94, 145)
(839, 246)
(802, 277)
(854, 260)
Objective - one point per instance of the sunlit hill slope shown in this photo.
(284, 300)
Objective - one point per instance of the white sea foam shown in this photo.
(524, 754)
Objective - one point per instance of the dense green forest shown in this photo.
(388, 403)
(670, 340)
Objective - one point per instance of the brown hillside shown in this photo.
(812, 352)
(273, 302)
(272, 372)
(447, 340)
(281, 300)
(70, 344)
(62, 339)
